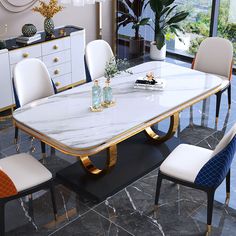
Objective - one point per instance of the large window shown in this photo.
(196, 26)
(227, 22)
(202, 22)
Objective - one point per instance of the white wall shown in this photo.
(79, 16)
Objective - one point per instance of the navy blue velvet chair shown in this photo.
(200, 168)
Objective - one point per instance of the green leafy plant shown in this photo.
(115, 67)
(130, 12)
(166, 20)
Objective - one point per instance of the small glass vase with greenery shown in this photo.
(115, 67)
(131, 12)
(48, 10)
(166, 22)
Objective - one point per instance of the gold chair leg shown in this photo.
(155, 211)
(209, 229)
(111, 161)
(44, 158)
(174, 123)
(227, 199)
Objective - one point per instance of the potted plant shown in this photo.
(166, 22)
(130, 12)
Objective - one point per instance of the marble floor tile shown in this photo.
(20, 220)
(92, 224)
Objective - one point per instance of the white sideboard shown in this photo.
(63, 56)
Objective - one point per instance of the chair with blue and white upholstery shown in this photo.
(200, 168)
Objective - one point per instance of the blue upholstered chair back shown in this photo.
(215, 170)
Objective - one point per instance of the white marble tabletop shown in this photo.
(66, 118)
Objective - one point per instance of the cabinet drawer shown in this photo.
(55, 46)
(57, 58)
(59, 70)
(62, 81)
(27, 52)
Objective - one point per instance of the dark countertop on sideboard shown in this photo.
(11, 44)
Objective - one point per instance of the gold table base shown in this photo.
(112, 150)
(174, 123)
(111, 161)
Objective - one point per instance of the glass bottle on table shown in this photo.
(96, 96)
(107, 93)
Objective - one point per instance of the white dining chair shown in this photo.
(31, 81)
(22, 175)
(200, 168)
(215, 56)
(97, 54)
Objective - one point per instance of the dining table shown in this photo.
(121, 143)
(65, 121)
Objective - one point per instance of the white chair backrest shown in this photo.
(225, 140)
(215, 56)
(32, 81)
(97, 54)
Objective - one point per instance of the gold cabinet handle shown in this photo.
(57, 84)
(56, 72)
(56, 59)
(55, 47)
(25, 55)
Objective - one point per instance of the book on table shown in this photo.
(154, 84)
(28, 40)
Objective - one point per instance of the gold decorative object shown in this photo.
(99, 109)
(108, 104)
(56, 72)
(150, 76)
(25, 55)
(56, 59)
(62, 32)
(48, 10)
(57, 84)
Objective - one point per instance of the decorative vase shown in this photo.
(29, 30)
(156, 54)
(48, 26)
(96, 96)
(107, 93)
(136, 47)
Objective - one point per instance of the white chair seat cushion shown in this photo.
(25, 171)
(185, 162)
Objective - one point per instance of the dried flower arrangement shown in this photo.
(48, 10)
